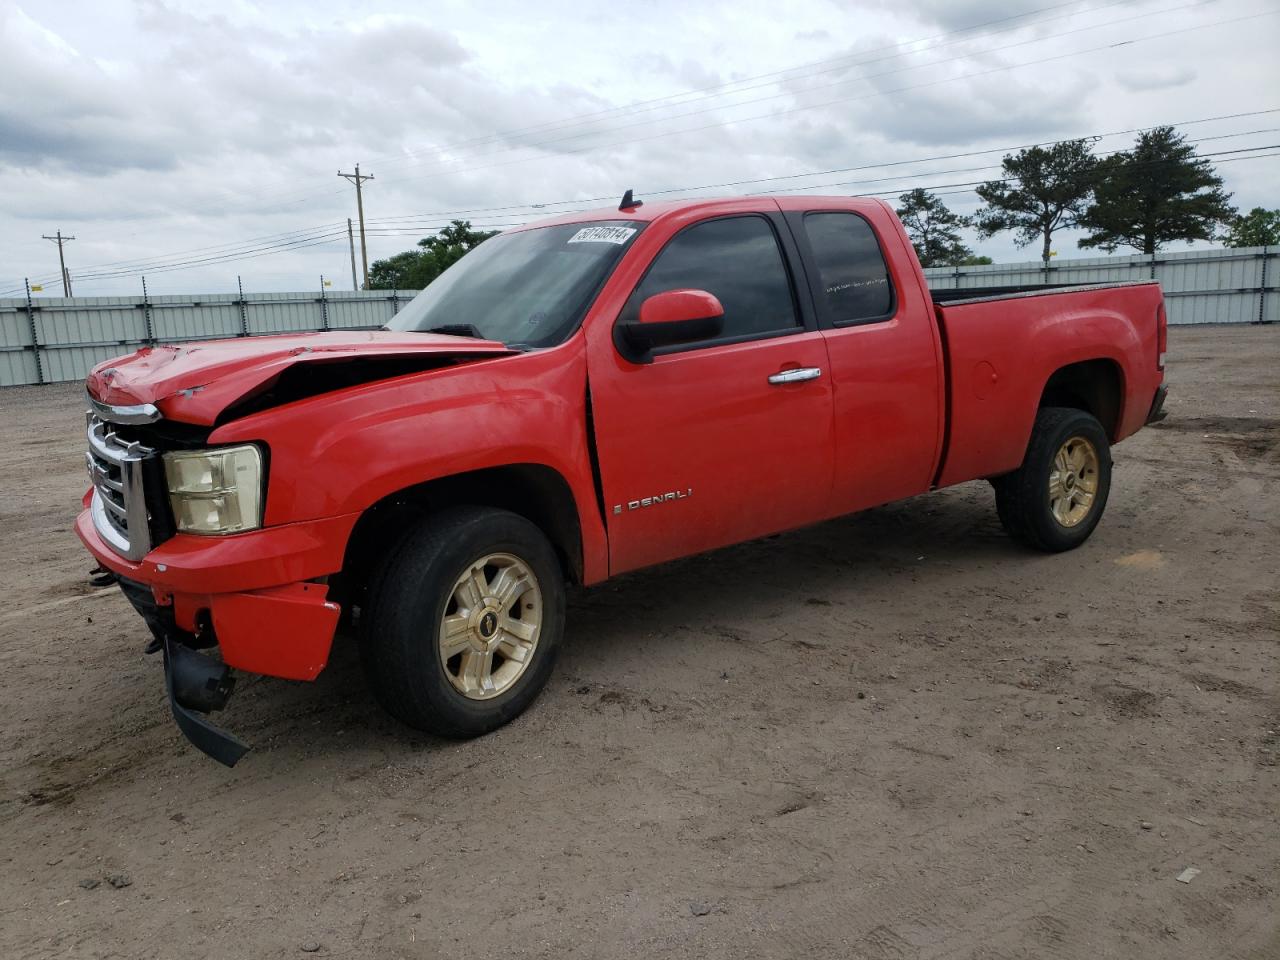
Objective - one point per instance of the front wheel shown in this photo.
(464, 621)
(1056, 498)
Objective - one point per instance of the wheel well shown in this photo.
(1091, 385)
(535, 492)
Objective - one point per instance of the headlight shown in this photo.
(215, 491)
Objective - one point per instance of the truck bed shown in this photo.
(959, 295)
(1002, 349)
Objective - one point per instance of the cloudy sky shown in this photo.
(207, 136)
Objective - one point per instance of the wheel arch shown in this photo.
(1095, 386)
(534, 491)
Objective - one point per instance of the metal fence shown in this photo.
(1200, 286)
(47, 339)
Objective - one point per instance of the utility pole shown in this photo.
(59, 239)
(358, 179)
(352, 241)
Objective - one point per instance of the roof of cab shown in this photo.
(649, 211)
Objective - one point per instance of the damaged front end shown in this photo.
(179, 518)
(196, 683)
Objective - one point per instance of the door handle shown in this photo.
(796, 375)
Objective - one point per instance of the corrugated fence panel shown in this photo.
(15, 326)
(350, 309)
(74, 363)
(286, 313)
(1201, 286)
(77, 333)
(1221, 289)
(17, 361)
(89, 320)
(206, 318)
(1100, 270)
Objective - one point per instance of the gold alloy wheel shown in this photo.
(1073, 482)
(490, 627)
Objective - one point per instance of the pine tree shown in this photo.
(934, 229)
(1155, 194)
(1044, 189)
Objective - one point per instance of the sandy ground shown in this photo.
(892, 736)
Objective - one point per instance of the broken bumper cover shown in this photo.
(1157, 411)
(200, 591)
(194, 683)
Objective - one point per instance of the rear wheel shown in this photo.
(1055, 499)
(464, 621)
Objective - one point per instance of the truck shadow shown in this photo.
(335, 726)
(932, 536)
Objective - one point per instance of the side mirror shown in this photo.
(668, 318)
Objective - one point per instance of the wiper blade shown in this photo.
(458, 330)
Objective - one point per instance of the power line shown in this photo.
(968, 187)
(223, 251)
(865, 77)
(973, 183)
(853, 169)
(396, 226)
(290, 199)
(799, 69)
(878, 93)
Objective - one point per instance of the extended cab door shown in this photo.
(886, 353)
(707, 445)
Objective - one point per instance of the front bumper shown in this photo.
(251, 594)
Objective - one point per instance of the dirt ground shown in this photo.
(891, 736)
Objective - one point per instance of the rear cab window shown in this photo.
(851, 283)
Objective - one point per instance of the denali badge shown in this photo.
(654, 500)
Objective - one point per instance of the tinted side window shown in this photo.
(853, 279)
(737, 260)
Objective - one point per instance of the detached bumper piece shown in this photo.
(1158, 412)
(196, 684)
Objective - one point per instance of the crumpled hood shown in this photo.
(195, 382)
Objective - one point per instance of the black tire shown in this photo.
(1022, 497)
(408, 598)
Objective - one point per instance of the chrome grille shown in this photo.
(119, 506)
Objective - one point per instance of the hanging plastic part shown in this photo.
(196, 683)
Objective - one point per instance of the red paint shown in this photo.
(696, 449)
(195, 382)
(294, 646)
(675, 305)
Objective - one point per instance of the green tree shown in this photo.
(1155, 194)
(975, 261)
(1044, 189)
(933, 229)
(1257, 228)
(415, 269)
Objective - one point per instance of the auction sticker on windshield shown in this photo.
(602, 235)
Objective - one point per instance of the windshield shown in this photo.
(526, 289)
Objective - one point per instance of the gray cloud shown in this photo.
(1162, 77)
(961, 14)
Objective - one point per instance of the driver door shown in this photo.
(723, 440)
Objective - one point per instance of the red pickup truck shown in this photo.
(572, 400)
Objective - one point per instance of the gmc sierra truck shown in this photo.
(575, 399)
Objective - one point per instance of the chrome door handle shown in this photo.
(796, 375)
